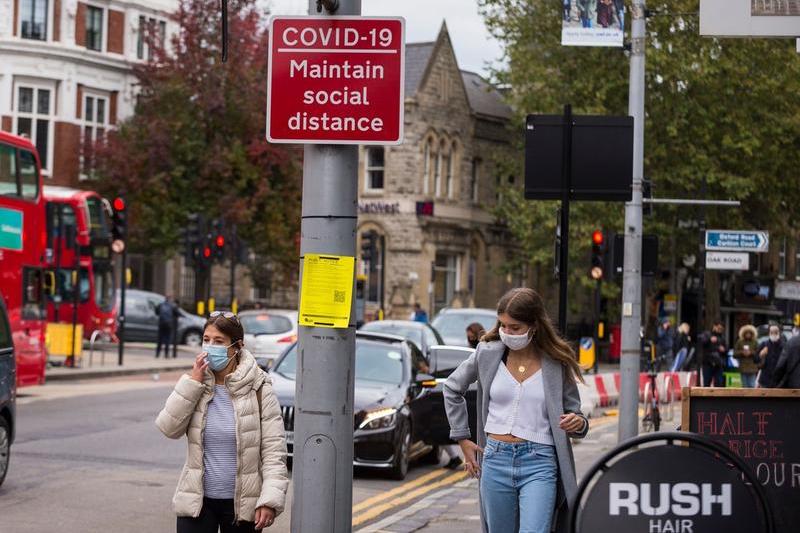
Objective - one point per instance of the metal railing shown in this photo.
(105, 339)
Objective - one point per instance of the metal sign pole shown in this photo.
(323, 433)
(563, 255)
(632, 269)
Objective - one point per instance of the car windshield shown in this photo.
(375, 362)
(265, 324)
(403, 330)
(455, 324)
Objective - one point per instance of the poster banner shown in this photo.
(750, 18)
(592, 22)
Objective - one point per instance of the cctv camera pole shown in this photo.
(632, 265)
(323, 431)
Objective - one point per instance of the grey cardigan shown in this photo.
(561, 396)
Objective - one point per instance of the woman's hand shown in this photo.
(470, 451)
(199, 369)
(571, 423)
(265, 516)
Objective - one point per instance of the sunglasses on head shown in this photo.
(225, 314)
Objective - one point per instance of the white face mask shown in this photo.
(515, 342)
(774, 338)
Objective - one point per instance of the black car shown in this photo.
(399, 410)
(141, 319)
(8, 392)
(420, 333)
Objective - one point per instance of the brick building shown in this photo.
(425, 205)
(66, 73)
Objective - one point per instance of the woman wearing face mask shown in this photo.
(235, 475)
(528, 409)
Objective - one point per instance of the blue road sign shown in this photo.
(737, 241)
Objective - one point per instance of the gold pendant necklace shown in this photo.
(521, 369)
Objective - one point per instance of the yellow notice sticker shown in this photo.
(327, 291)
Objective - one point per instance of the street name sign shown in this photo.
(727, 261)
(336, 80)
(737, 241)
(787, 290)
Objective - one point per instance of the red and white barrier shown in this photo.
(602, 390)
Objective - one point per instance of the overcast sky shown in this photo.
(475, 49)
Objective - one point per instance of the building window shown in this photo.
(375, 169)
(95, 124)
(94, 28)
(782, 260)
(476, 164)
(33, 19)
(427, 164)
(797, 260)
(448, 169)
(34, 113)
(437, 187)
(445, 280)
(146, 28)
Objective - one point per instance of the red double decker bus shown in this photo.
(79, 235)
(22, 253)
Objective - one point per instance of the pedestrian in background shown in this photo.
(682, 347)
(528, 409)
(769, 352)
(419, 314)
(167, 312)
(787, 369)
(713, 351)
(746, 351)
(665, 343)
(475, 332)
(235, 475)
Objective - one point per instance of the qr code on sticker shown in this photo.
(338, 297)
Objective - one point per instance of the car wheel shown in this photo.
(193, 338)
(400, 464)
(5, 448)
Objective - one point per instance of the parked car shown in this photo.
(399, 411)
(421, 334)
(268, 332)
(8, 392)
(141, 319)
(452, 323)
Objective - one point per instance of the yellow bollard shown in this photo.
(201, 308)
(211, 305)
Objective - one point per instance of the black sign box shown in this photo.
(601, 159)
(761, 427)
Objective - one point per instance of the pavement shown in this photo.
(138, 358)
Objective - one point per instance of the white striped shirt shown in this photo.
(219, 447)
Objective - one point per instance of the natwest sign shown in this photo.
(336, 80)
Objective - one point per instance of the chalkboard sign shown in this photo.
(762, 427)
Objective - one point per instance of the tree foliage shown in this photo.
(196, 142)
(724, 109)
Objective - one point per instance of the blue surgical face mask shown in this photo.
(217, 355)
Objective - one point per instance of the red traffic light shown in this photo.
(119, 204)
(206, 252)
(220, 241)
(597, 237)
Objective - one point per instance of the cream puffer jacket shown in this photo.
(261, 475)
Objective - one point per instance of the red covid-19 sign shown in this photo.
(336, 80)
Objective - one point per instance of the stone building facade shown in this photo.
(424, 206)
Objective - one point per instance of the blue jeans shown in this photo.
(518, 486)
(749, 380)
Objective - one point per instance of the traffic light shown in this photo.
(192, 238)
(597, 270)
(119, 224)
(368, 245)
(219, 247)
(217, 239)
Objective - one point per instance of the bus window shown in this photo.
(8, 171)
(28, 174)
(98, 225)
(68, 222)
(32, 304)
(65, 287)
(104, 289)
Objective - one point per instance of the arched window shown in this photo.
(451, 163)
(426, 177)
(438, 170)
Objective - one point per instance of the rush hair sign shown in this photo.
(336, 80)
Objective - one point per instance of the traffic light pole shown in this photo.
(123, 276)
(563, 255)
(323, 433)
(632, 265)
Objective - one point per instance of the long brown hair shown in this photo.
(527, 306)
